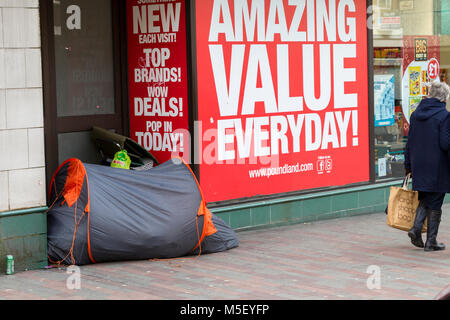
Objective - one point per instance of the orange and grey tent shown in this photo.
(99, 214)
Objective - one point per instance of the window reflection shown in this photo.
(84, 57)
(411, 49)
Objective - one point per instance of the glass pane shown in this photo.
(411, 37)
(84, 57)
(77, 145)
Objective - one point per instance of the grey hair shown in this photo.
(440, 91)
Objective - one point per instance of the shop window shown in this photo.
(84, 58)
(411, 49)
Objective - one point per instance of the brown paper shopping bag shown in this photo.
(402, 205)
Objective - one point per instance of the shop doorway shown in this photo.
(83, 52)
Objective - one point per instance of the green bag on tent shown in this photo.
(121, 160)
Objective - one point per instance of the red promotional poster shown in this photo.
(157, 64)
(421, 56)
(282, 96)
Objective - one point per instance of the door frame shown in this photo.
(54, 126)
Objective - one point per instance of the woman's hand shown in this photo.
(408, 171)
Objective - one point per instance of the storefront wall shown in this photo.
(221, 67)
(243, 203)
(22, 161)
(391, 28)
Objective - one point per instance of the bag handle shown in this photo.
(406, 181)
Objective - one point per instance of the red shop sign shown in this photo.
(282, 96)
(433, 69)
(157, 73)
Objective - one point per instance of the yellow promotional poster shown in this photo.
(414, 81)
(425, 81)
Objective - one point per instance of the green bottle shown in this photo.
(121, 160)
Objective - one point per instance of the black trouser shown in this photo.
(432, 200)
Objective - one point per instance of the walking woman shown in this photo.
(427, 159)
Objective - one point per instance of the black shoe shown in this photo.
(434, 219)
(416, 231)
(416, 239)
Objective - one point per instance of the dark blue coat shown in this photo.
(427, 149)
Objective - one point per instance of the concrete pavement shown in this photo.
(355, 258)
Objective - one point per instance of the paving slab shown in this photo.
(352, 258)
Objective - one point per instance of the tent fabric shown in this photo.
(222, 240)
(99, 214)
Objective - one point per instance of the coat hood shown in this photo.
(428, 107)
